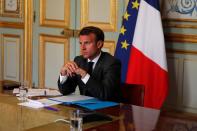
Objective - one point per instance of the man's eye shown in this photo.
(85, 43)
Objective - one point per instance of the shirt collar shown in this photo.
(95, 59)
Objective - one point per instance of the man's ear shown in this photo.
(100, 44)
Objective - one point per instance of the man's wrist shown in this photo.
(63, 78)
(63, 73)
(86, 78)
(83, 74)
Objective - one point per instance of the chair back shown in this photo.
(133, 94)
(10, 85)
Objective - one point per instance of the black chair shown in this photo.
(133, 94)
(10, 85)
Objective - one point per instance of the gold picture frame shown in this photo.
(11, 8)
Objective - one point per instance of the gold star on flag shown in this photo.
(126, 15)
(124, 44)
(122, 30)
(135, 4)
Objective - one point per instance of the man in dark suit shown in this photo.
(96, 73)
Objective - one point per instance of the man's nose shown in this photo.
(82, 46)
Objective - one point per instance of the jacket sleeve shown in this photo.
(68, 86)
(108, 88)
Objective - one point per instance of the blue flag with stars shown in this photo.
(123, 48)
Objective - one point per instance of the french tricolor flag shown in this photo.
(141, 49)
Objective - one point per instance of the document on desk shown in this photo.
(16, 91)
(39, 103)
(53, 93)
(43, 92)
(70, 99)
(47, 102)
(31, 104)
(39, 92)
(36, 92)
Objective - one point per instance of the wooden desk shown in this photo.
(125, 118)
(18, 118)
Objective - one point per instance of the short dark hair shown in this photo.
(95, 30)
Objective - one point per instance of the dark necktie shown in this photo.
(90, 66)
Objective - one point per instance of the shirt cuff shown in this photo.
(86, 78)
(63, 79)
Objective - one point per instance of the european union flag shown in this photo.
(123, 48)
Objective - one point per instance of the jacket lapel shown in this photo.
(98, 64)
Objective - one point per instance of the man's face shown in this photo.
(89, 47)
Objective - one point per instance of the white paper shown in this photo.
(71, 98)
(43, 92)
(32, 104)
(47, 102)
(53, 93)
(32, 92)
(16, 90)
(39, 92)
(39, 103)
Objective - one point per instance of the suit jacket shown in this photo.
(104, 83)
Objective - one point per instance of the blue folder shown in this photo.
(90, 103)
(94, 104)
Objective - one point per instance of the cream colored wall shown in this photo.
(182, 74)
(181, 43)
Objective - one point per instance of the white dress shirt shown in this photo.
(87, 76)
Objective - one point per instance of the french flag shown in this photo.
(141, 49)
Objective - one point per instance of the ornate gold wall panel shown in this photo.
(42, 51)
(168, 24)
(110, 25)
(27, 48)
(176, 51)
(172, 37)
(110, 46)
(11, 25)
(11, 57)
(55, 22)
